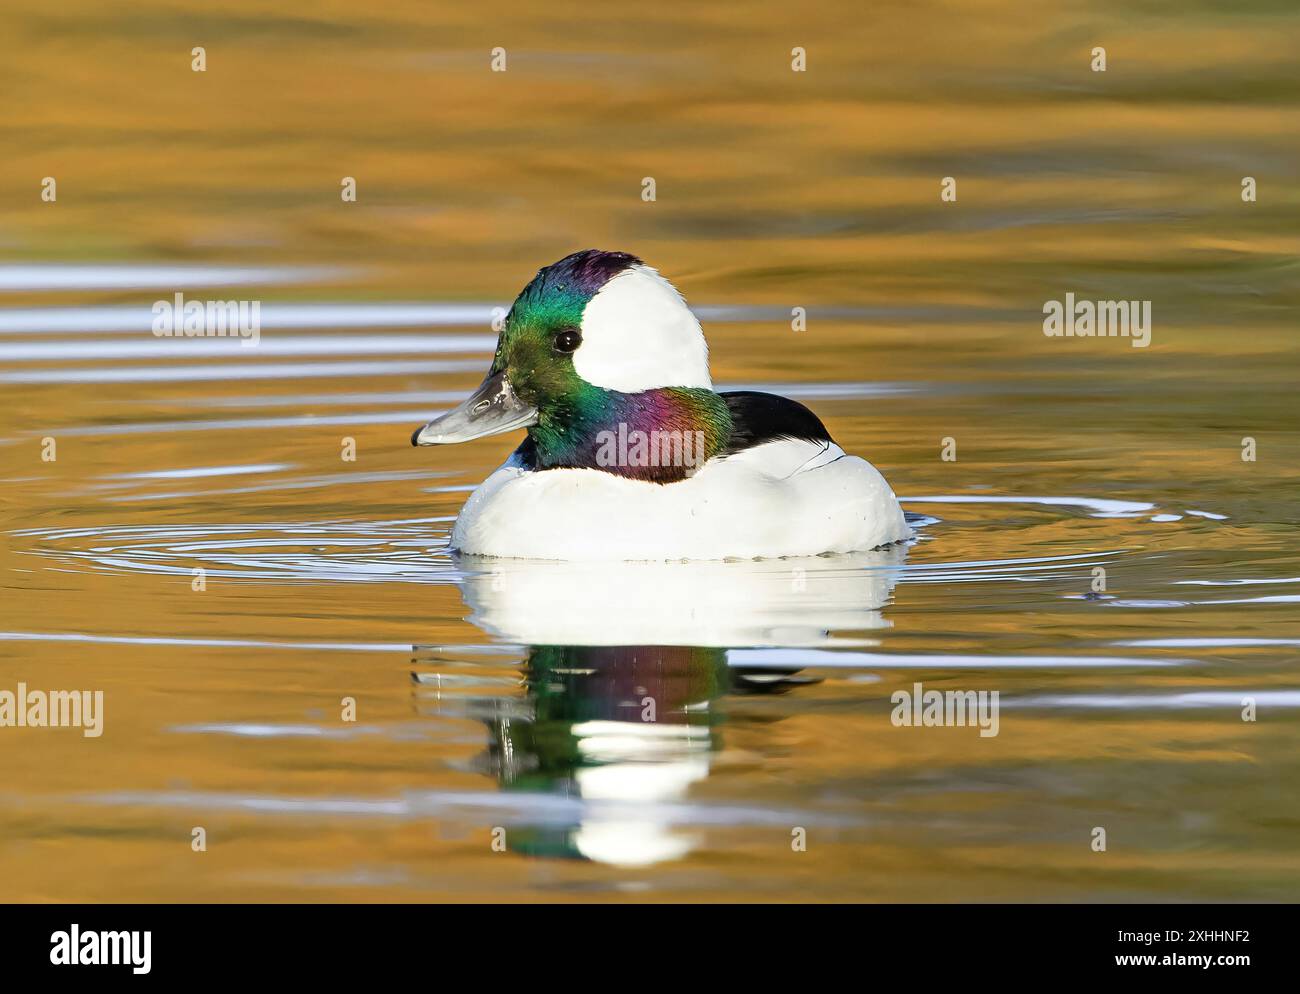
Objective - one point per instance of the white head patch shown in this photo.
(638, 334)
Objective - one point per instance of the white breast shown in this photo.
(784, 498)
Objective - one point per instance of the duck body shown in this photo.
(631, 455)
(780, 497)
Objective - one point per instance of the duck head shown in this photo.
(595, 341)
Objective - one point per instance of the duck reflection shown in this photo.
(625, 672)
(621, 727)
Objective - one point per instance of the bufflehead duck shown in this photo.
(630, 453)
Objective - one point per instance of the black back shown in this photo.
(767, 417)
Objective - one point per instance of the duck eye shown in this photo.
(568, 340)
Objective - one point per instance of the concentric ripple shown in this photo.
(412, 550)
(417, 550)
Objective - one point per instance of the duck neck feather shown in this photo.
(661, 435)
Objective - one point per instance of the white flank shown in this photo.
(778, 499)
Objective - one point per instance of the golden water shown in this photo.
(328, 579)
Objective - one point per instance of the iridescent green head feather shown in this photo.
(598, 346)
